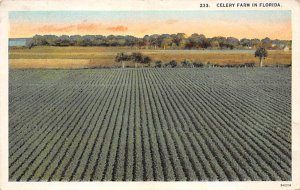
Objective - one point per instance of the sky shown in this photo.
(275, 24)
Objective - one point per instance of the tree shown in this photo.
(50, 40)
(215, 44)
(254, 43)
(158, 64)
(197, 41)
(131, 41)
(266, 42)
(137, 57)
(182, 44)
(63, 40)
(166, 42)
(122, 57)
(232, 42)
(140, 58)
(245, 42)
(197, 64)
(154, 41)
(146, 60)
(30, 44)
(262, 53)
(172, 64)
(186, 63)
(38, 40)
(221, 41)
(76, 39)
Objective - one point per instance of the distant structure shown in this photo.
(286, 48)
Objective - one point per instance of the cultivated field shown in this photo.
(150, 124)
(90, 57)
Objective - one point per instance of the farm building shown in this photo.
(286, 48)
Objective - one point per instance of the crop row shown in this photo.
(150, 125)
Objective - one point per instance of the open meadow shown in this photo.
(99, 57)
(148, 124)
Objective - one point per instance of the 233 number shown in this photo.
(204, 5)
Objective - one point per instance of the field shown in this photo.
(226, 124)
(90, 57)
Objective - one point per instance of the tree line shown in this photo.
(159, 41)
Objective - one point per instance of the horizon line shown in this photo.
(146, 35)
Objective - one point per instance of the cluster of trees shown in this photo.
(197, 64)
(260, 52)
(156, 41)
(186, 63)
(134, 57)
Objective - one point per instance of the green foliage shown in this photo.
(146, 60)
(186, 63)
(134, 57)
(171, 64)
(158, 64)
(261, 52)
(137, 57)
(150, 124)
(122, 57)
(198, 64)
(163, 41)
